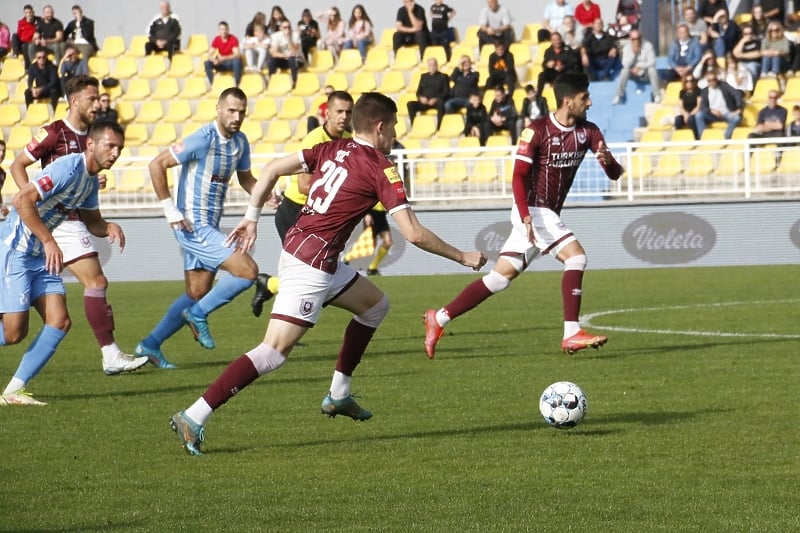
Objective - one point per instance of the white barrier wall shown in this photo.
(639, 236)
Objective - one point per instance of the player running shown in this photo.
(548, 156)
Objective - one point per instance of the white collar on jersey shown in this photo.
(558, 125)
(359, 140)
(73, 128)
(222, 137)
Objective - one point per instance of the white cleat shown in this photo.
(123, 363)
(19, 397)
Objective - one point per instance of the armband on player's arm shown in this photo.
(172, 213)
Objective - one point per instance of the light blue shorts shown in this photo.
(204, 248)
(24, 280)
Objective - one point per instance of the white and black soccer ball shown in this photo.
(563, 405)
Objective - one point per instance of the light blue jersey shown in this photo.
(64, 185)
(208, 161)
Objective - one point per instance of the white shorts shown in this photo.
(549, 231)
(74, 240)
(306, 290)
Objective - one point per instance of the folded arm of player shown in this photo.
(100, 227)
(158, 175)
(423, 238)
(25, 204)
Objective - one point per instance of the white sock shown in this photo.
(14, 385)
(199, 411)
(340, 386)
(442, 318)
(570, 329)
(110, 352)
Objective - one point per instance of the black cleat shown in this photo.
(373, 272)
(263, 294)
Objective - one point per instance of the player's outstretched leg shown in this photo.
(346, 406)
(575, 339)
(263, 292)
(433, 332)
(38, 354)
(190, 433)
(582, 340)
(100, 316)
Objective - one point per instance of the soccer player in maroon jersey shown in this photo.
(59, 138)
(348, 177)
(548, 155)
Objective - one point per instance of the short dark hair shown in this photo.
(3, 143)
(372, 108)
(568, 85)
(27, 6)
(340, 95)
(223, 23)
(78, 83)
(529, 88)
(76, 6)
(99, 128)
(232, 91)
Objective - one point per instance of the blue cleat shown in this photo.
(154, 357)
(199, 327)
(190, 433)
(347, 407)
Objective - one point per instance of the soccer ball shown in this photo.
(563, 405)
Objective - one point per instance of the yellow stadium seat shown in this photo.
(730, 164)
(349, 61)
(19, 94)
(130, 180)
(181, 66)
(530, 33)
(113, 46)
(424, 173)
(150, 112)
(414, 81)
(790, 163)
(454, 172)
(452, 126)
(741, 132)
(3, 93)
(668, 165)
(300, 130)
(550, 96)
(262, 147)
(290, 147)
(37, 114)
(762, 89)
(163, 135)
(280, 84)
(406, 58)
(470, 147)
(293, 107)
(18, 138)
(111, 179)
(791, 93)
(471, 36)
(684, 135)
(206, 110)
(9, 115)
(401, 128)
(265, 108)
(114, 93)
(154, 66)
(377, 60)
(387, 39)
(99, 67)
(253, 130)
(700, 165)
(278, 132)
(521, 53)
(125, 156)
(125, 111)
(9, 186)
(189, 128)
(252, 84)
(193, 88)
(483, 56)
(763, 161)
(656, 137)
(639, 166)
(364, 82)
(715, 135)
(402, 101)
(424, 127)
(138, 90)
(662, 120)
(538, 58)
(499, 140)
(62, 108)
(222, 81)
(392, 82)
(484, 171)
(337, 80)
(672, 94)
(136, 134)
(441, 149)
(435, 52)
(749, 117)
(166, 89)
(458, 52)
(197, 45)
(125, 68)
(307, 84)
(321, 61)
(178, 111)
(136, 46)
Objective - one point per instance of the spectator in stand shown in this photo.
(164, 32)
(683, 55)
(794, 126)
(774, 9)
(322, 111)
(496, 23)
(775, 51)
(533, 106)
(771, 121)
(256, 49)
(599, 54)
(639, 64)
(42, 80)
(360, 31)
(441, 34)
(502, 70)
(276, 17)
(22, 40)
(708, 62)
(71, 65)
(411, 27)
(259, 18)
(708, 8)
(758, 22)
(718, 102)
(432, 92)
(105, 113)
(335, 33)
(748, 52)
(627, 17)
(738, 76)
(689, 97)
(697, 26)
(586, 13)
(554, 14)
(49, 34)
(476, 119)
(5, 40)
(571, 32)
(502, 114)
(3, 208)
(309, 32)
(723, 33)
(80, 33)
(464, 81)
(285, 52)
(224, 55)
(558, 59)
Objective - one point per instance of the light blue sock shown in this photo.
(223, 292)
(170, 323)
(39, 352)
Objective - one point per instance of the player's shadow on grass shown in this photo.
(86, 527)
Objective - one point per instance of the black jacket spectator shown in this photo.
(476, 119)
(42, 80)
(464, 82)
(432, 92)
(558, 58)
(84, 29)
(502, 71)
(503, 115)
(406, 34)
(164, 34)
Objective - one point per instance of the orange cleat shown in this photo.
(581, 341)
(433, 332)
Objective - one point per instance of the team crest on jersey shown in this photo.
(178, 147)
(73, 146)
(45, 183)
(555, 141)
(306, 307)
(392, 175)
(581, 136)
(527, 135)
(85, 242)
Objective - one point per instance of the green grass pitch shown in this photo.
(689, 428)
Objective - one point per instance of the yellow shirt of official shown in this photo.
(314, 137)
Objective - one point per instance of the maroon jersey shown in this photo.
(55, 140)
(548, 157)
(349, 178)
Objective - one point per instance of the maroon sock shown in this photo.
(571, 284)
(99, 315)
(354, 344)
(472, 295)
(238, 375)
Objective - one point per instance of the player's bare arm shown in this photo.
(612, 168)
(304, 182)
(423, 238)
(158, 169)
(25, 204)
(19, 170)
(100, 227)
(246, 180)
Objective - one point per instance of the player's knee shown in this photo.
(373, 316)
(16, 335)
(496, 282)
(63, 323)
(576, 262)
(97, 283)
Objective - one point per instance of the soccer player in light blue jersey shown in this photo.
(208, 159)
(30, 259)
